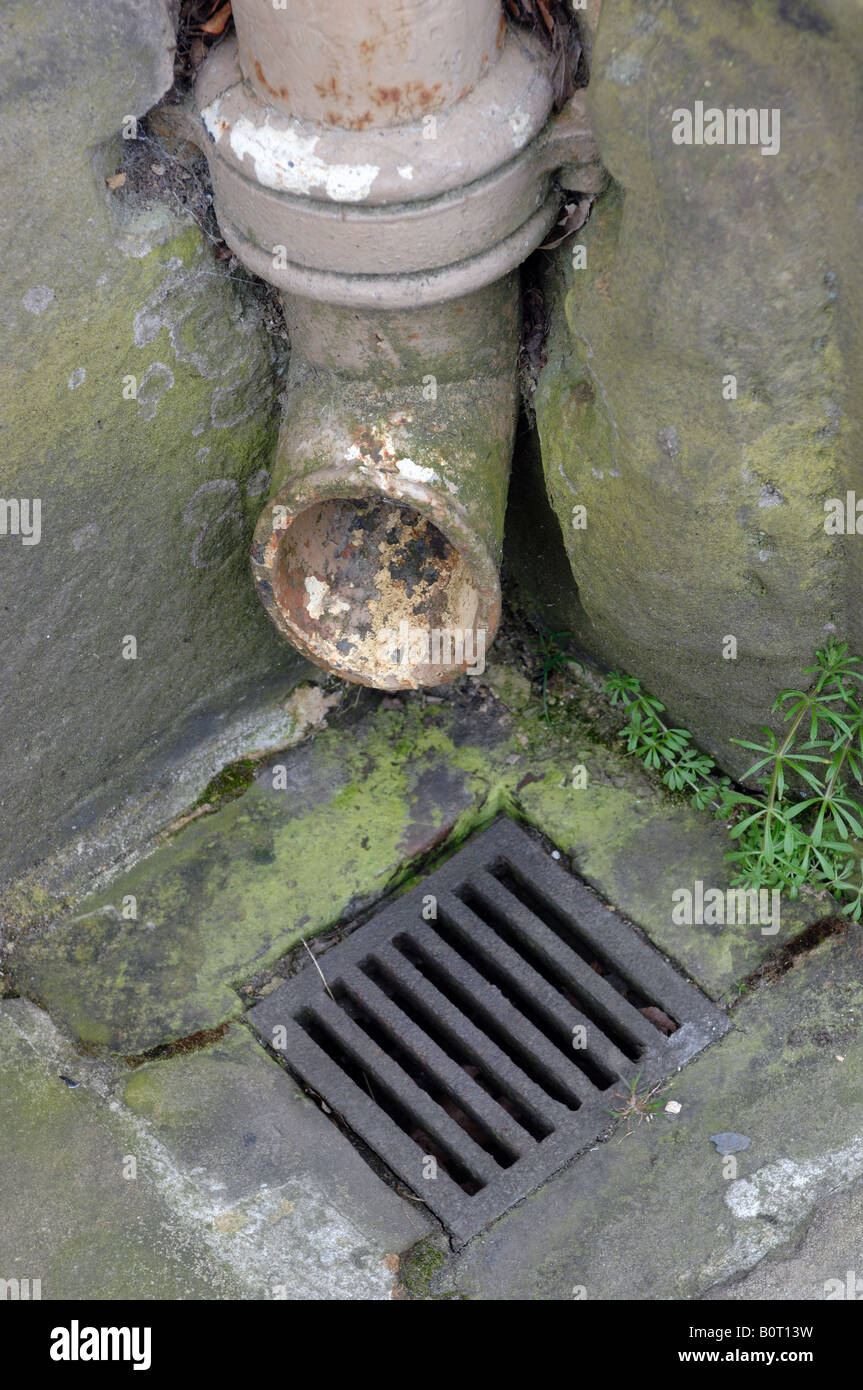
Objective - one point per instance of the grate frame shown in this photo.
(518, 1037)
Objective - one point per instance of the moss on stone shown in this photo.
(228, 784)
(332, 825)
(420, 1265)
(234, 891)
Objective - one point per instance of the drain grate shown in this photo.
(476, 1050)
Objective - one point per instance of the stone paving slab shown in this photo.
(326, 828)
(823, 1260)
(653, 1217)
(349, 817)
(70, 1218)
(243, 1189)
(299, 1210)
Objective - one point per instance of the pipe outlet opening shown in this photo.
(373, 590)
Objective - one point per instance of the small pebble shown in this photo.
(729, 1142)
(555, 854)
(673, 1107)
(158, 168)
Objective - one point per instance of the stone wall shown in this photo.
(705, 508)
(139, 384)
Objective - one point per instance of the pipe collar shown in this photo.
(396, 216)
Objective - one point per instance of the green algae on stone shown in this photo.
(228, 784)
(332, 825)
(324, 830)
(139, 404)
(421, 1266)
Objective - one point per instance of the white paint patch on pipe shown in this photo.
(317, 591)
(415, 471)
(285, 159)
(406, 171)
(214, 123)
(378, 477)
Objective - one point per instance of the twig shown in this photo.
(320, 972)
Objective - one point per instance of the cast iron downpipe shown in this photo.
(388, 165)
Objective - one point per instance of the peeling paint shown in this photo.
(317, 591)
(285, 159)
(415, 471)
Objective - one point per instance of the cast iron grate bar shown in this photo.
(474, 1050)
(461, 1095)
(498, 1071)
(619, 1020)
(483, 1001)
(383, 1073)
(553, 1012)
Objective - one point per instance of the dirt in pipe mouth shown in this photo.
(368, 583)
